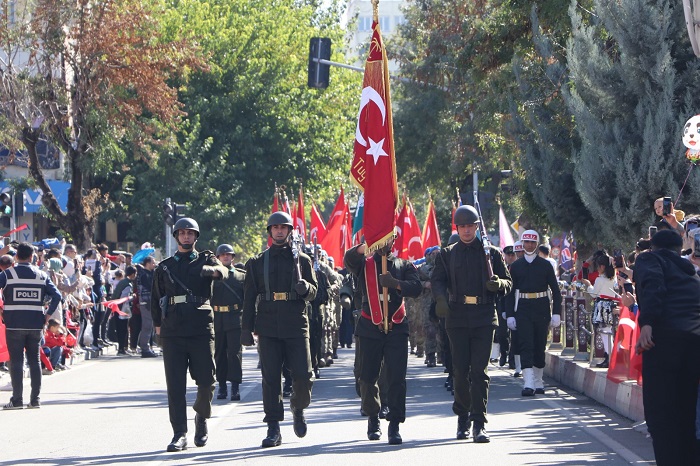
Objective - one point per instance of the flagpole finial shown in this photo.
(375, 10)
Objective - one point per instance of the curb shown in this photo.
(624, 398)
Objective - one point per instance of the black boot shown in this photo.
(464, 425)
(480, 435)
(201, 433)
(179, 442)
(374, 432)
(274, 438)
(431, 360)
(299, 422)
(448, 383)
(504, 359)
(287, 390)
(605, 363)
(383, 411)
(235, 392)
(223, 392)
(394, 436)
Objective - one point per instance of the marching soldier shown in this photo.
(461, 278)
(376, 346)
(227, 302)
(182, 316)
(529, 311)
(284, 281)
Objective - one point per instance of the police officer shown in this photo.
(24, 287)
(283, 280)
(529, 311)
(183, 317)
(461, 278)
(375, 346)
(227, 301)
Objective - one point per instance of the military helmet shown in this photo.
(466, 215)
(518, 246)
(530, 235)
(279, 218)
(185, 223)
(225, 249)
(453, 239)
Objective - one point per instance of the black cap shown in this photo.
(508, 250)
(667, 239)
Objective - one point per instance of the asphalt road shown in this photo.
(113, 411)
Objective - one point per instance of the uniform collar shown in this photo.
(192, 255)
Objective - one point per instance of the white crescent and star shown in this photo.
(376, 149)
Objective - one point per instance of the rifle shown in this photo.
(295, 245)
(484, 235)
(316, 264)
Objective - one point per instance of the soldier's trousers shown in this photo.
(228, 355)
(533, 328)
(296, 355)
(471, 348)
(391, 350)
(195, 353)
(502, 335)
(382, 382)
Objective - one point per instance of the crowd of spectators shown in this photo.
(87, 320)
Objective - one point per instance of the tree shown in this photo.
(91, 77)
(632, 87)
(252, 121)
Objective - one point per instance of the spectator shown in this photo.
(144, 286)
(55, 346)
(604, 308)
(668, 293)
(543, 252)
(124, 289)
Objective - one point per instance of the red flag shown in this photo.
(431, 233)
(300, 217)
(318, 228)
(336, 241)
(636, 359)
(412, 244)
(622, 350)
(338, 213)
(373, 167)
(454, 209)
(284, 202)
(4, 352)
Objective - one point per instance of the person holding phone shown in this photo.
(603, 290)
(668, 292)
(663, 207)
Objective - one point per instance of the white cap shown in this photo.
(530, 235)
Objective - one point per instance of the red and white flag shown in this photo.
(397, 249)
(506, 237)
(318, 227)
(373, 167)
(412, 243)
(431, 232)
(337, 238)
(300, 216)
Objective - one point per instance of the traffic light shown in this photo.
(168, 212)
(179, 211)
(6, 208)
(319, 75)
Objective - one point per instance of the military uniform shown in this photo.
(376, 346)
(532, 313)
(227, 302)
(282, 325)
(460, 277)
(186, 330)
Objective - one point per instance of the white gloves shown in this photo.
(556, 321)
(511, 323)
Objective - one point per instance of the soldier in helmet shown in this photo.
(183, 317)
(379, 350)
(227, 302)
(529, 310)
(283, 280)
(466, 296)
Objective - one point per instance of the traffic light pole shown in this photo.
(13, 219)
(168, 236)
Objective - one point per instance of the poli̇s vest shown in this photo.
(24, 298)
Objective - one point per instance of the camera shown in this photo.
(666, 209)
(628, 287)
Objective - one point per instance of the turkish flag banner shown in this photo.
(300, 217)
(318, 228)
(412, 243)
(431, 233)
(397, 249)
(373, 167)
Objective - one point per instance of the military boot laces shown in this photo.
(201, 432)
(274, 438)
(374, 432)
(394, 436)
(463, 427)
(299, 422)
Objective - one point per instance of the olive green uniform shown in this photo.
(281, 323)
(228, 309)
(186, 330)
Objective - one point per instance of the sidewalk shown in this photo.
(624, 398)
